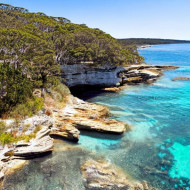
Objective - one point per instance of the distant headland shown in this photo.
(150, 41)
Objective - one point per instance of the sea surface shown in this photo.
(156, 150)
(158, 147)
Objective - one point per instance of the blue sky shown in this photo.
(121, 18)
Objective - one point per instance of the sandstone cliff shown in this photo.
(111, 76)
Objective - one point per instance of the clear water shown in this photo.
(158, 148)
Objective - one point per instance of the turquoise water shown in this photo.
(158, 147)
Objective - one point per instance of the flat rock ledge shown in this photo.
(42, 144)
(102, 175)
(80, 115)
(15, 156)
(136, 74)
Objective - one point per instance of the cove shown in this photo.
(156, 150)
(158, 147)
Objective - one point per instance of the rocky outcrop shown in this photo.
(136, 74)
(111, 76)
(80, 115)
(12, 157)
(84, 74)
(157, 67)
(181, 78)
(65, 130)
(42, 144)
(102, 175)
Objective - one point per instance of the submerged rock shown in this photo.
(101, 175)
(181, 78)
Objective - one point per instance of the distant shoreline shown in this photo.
(150, 41)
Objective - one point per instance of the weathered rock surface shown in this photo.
(111, 76)
(42, 144)
(101, 175)
(65, 131)
(80, 115)
(83, 74)
(103, 125)
(11, 157)
(136, 74)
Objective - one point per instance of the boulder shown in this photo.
(66, 131)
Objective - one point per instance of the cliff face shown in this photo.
(111, 76)
(81, 74)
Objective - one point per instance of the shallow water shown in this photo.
(57, 171)
(158, 148)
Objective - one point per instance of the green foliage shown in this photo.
(14, 86)
(29, 108)
(25, 138)
(8, 138)
(34, 45)
(150, 41)
(59, 92)
(2, 126)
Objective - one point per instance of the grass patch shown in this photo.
(26, 127)
(38, 128)
(6, 138)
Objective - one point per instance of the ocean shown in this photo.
(158, 147)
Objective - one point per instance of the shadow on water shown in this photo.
(97, 135)
(71, 142)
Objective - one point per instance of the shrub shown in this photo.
(59, 92)
(7, 138)
(2, 126)
(26, 138)
(29, 108)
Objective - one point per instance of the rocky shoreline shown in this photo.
(111, 76)
(66, 122)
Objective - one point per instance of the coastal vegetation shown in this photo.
(10, 137)
(150, 41)
(34, 45)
